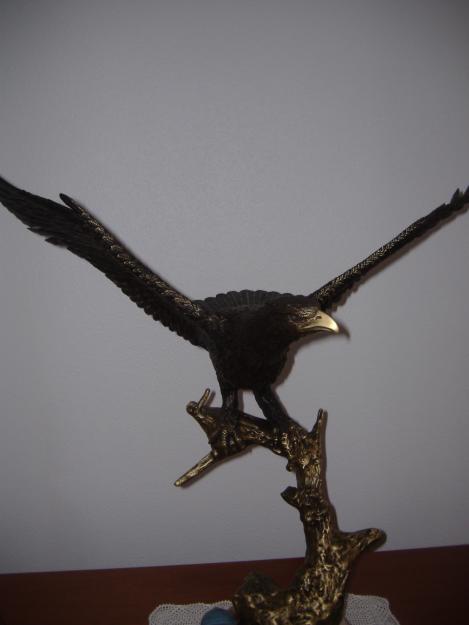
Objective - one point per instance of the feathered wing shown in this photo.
(72, 226)
(333, 291)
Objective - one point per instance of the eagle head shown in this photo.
(309, 319)
(296, 318)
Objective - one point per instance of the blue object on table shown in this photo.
(218, 616)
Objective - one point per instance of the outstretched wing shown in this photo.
(333, 291)
(72, 226)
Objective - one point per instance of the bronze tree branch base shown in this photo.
(316, 594)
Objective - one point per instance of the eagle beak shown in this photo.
(319, 322)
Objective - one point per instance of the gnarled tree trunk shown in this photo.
(316, 594)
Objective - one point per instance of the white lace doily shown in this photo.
(359, 610)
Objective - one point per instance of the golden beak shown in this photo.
(319, 322)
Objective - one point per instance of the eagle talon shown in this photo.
(225, 440)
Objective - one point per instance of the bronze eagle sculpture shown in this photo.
(248, 333)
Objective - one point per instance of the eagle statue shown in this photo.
(247, 333)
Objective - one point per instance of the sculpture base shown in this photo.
(359, 610)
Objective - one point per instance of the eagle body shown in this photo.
(246, 333)
(248, 353)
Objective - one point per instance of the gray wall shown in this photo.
(232, 145)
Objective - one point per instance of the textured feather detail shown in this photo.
(76, 229)
(333, 291)
(238, 300)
